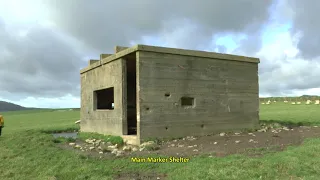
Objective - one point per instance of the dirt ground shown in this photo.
(254, 144)
(234, 143)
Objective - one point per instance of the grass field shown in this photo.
(288, 113)
(17, 121)
(27, 153)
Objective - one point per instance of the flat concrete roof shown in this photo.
(165, 50)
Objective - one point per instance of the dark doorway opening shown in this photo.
(104, 99)
(131, 96)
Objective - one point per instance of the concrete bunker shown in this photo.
(147, 92)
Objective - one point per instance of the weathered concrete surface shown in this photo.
(102, 56)
(119, 48)
(102, 121)
(182, 52)
(93, 61)
(225, 93)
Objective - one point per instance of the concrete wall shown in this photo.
(93, 61)
(102, 56)
(103, 121)
(225, 92)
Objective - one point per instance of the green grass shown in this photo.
(291, 114)
(26, 152)
(40, 119)
(112, 139)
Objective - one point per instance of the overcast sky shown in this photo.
(44, 43)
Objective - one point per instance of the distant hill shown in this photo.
(7, 106)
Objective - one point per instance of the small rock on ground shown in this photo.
(285, 128)
(126, 148)
(262, 130)
(190, 138)
(119, 153)
(150, 145)
(89, 141)
(113, 147)
(114, 151)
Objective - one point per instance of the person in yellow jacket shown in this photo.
(1, 123)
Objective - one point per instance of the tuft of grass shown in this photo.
(106, 138)
(264, 150)
(58, 140)
(63, 140)
(70, 139)
(152, 147)
(74, 128)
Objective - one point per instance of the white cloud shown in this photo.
(26, 11)
(67, 101)
(283, 72)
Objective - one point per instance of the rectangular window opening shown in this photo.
(187, 101)
(104, 99)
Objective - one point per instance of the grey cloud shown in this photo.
(44, 64)
(267, 67)
(39, 64)
(306, 21)
(103, 24)
(287, 77)
(250, 45)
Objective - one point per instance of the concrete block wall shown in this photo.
(102, 121)
(225, 93)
